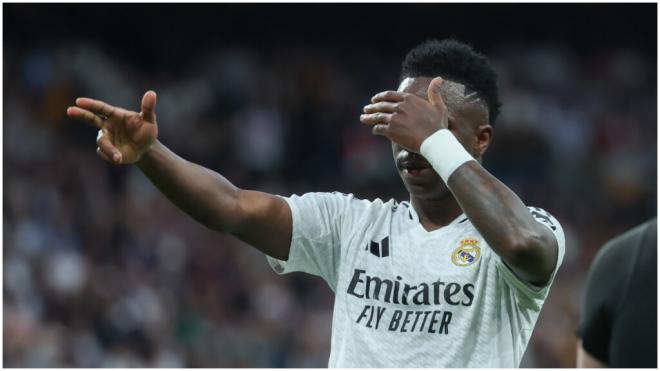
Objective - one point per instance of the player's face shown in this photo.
(417, 174)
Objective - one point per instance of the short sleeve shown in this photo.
(524, 287)
(318, 226)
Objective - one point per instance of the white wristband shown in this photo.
(444, 152)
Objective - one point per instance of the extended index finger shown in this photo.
(389, 96)
(85, 115)
(96, 106)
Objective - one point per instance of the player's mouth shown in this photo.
(415, 168)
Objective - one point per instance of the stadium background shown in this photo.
(101, 270)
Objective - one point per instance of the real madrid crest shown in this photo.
(467, 253)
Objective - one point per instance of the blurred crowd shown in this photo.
(100, 270)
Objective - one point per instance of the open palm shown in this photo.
(124, 136)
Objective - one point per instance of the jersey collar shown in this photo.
(412, 215)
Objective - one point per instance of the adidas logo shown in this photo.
(380, 249)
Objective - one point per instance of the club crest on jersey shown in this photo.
(467, 253)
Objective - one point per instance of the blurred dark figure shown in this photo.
(619, 321)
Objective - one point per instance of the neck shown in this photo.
(435, 213)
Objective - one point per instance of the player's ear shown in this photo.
(484, 135)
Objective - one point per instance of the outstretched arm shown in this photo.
(260, 219)
(126, 137)
(527, 247)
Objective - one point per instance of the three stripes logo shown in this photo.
(380, 249)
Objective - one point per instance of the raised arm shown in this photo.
(526, 246)
(126, 137)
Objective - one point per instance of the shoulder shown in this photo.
(614, 265)
(342, 202)
(624, 247)
(636, 236)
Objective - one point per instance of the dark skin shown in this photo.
(406, 117)
(417, 110)
(127, 137)
(428, 192)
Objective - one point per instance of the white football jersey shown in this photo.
(406, 297)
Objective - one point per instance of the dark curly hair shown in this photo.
(458, 62)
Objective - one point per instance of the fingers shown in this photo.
(85, 116)
(434, 92)
(111, 153)
(387, 107)
(380, 129)
(96, 106)
(376, 118)
(102, 155)
(390, 96)
(379, 115)
(148, 106)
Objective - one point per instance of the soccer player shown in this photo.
(620, 313)
(454, 277)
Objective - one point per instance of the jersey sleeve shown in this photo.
(523, 287)
(319, 221)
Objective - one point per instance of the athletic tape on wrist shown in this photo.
(444, 152)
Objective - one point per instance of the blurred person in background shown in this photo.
(455, 278)
(619, 322)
